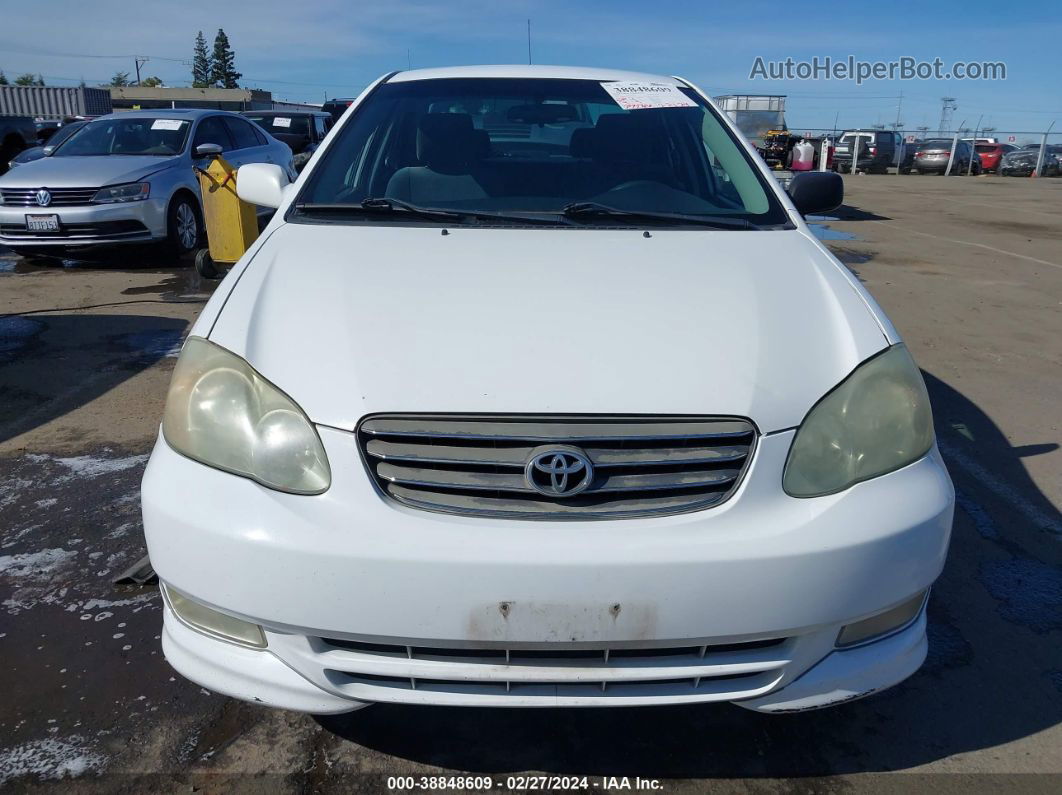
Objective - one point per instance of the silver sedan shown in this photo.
(125, 178)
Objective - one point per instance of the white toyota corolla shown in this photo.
(538, 391)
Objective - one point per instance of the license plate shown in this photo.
(42, 223)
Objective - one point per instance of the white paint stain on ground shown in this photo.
(50, 758)
(37, 577)
(38, 565)
(90, 466)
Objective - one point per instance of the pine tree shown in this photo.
(201, 66)
(120, 79)
(223, 70)
(3, 79)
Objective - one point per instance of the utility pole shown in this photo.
(947, 107)
(899, 105)
(973, 146)
(139, 60)
(528, 42)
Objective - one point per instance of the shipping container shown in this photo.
(754, 114)
(54, 102)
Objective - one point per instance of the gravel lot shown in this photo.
(970, 271)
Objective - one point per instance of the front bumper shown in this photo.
(341, 580)
(87, 225)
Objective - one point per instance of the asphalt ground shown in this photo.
(968, 269)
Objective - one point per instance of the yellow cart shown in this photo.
(231, 224)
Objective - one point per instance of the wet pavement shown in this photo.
(89, 704)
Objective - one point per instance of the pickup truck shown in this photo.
(16, 133)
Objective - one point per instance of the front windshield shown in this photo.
(131, 136)
(63, 133)
(283, 125)
(521, 146)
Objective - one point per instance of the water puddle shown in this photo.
(850, 257)
(16, 333)
(181, 284)
(826, 232)
(154, 344)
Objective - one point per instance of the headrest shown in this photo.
(582, 142)
(447, 141)
(627, 136)
(482, 143)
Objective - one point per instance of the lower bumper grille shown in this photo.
(544, 673)
(115, 230)
(557, 467)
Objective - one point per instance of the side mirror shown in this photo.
(207, 150)
(816, 192)
(261, 184)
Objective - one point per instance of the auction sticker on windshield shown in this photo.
(643, 96)
(167, 124)
(281, 121)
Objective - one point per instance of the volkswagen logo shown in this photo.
(43, 197)
(559, 471)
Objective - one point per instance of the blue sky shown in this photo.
(303, 51)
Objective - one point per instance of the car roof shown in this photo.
(284, 113)
(167, 113)
(532, 71)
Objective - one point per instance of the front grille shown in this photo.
(110, 230)
(475, 465)
(61, 197)
(684, 671)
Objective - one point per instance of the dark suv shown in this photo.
(337, 107)
(302, 130)
(878, 150)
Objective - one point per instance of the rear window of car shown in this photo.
(242, 133)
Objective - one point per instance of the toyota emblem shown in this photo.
(559, 471)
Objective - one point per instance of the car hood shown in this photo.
(352, 320)
(84, 172)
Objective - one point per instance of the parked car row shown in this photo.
(878, 150)
(126, 178)
(1022, 162)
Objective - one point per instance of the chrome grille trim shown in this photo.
(61, 197)
(474, 465)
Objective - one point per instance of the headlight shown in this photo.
(133, 192)
(222, 413)
(875, 421)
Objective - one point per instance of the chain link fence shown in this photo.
(878, 149)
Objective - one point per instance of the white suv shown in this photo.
(537, 391)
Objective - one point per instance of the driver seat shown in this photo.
(449, 149)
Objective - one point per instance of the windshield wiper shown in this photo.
(596, 210)
(387, 205)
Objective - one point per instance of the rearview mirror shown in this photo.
(207, 150)
(261, 184)
(544, 113)
(816, 192)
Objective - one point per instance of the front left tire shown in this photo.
(184, 226)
